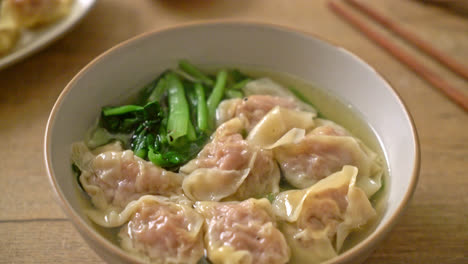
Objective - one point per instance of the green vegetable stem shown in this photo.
(172, 118)
(217, 94)
(202, 108)
(179, 123)
(193, 71)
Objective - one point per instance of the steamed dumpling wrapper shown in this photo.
(230, 168)
(281, 126)
(325, 150)
(251, 109)
(113, 177)
(317, 220)
(242, 233)
(158, 230)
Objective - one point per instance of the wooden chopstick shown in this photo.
(453, 65)
(450, 91)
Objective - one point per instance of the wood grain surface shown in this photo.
(434, 229)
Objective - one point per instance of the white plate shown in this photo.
(32, 41)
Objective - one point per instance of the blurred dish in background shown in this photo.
(19, 15)
(28, 25)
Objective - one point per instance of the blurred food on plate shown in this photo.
(19, 15)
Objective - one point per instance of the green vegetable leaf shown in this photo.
(147, 91)
(158, 92)
(124, 119)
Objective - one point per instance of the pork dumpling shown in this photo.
(161, 231)
(267, 86)
(230, 168)
(253, 108)
(33, 13)
(325, 150)
(113, 178)
(242, 233)
(317, 220)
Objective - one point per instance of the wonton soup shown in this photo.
(231, 166)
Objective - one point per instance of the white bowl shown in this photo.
(136, 62)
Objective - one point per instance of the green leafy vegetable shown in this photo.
(179, 116)
(202, 109)
(145, 92)
(143, 137)
(158, 91)
(173, 117)
(124, 119)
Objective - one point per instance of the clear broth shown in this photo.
(332, 108)
(338, 110)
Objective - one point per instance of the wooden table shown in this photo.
(434, 229)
